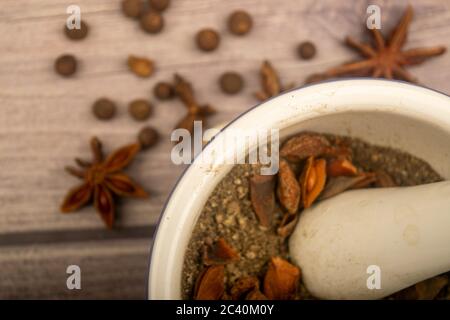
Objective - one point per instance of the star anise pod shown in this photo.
(386, 59)
(103, 178)
(196, 112)
(270, 82)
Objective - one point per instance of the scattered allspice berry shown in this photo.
(306, 50)
(163, 91)
(240, 22)
(148, 137)
(231, 82)
(77, 34)
(152, 22)
(140, 109)
(159, 5)
(141, 66)
(207, 39)
(133, 8)
(104, 109)
(66, 65)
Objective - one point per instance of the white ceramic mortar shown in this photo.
(388, 113)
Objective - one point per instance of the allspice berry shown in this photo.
(152, 22)
(104, 109)
(207, 39)
(133, 8)
(159, 5)
(231, 82)
(141, 66)
(163, 91)
(148, 137)
(240, 22)
(140, 109)
(306, 50)
(77, 34)
(66, 65)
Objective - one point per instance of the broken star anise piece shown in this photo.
(270, 82)
(312, 180)
(262, 196)
(210, 284)
(243, 286)
(281, 280)
(288, 190)
(196, 112)
(386, 59)
(337, 185)
(341, 167)
(219, 253)
(287, 225)
(103, 178)
(305, 145)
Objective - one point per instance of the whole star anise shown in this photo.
(103, 178)
(386, 59)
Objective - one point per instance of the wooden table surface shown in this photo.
(45, 121)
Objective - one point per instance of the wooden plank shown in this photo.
(109, 270)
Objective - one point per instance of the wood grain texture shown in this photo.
(45, 121)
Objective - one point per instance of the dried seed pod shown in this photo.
(77, 34)
(262, 195)
(133, 8)
(306, 50)
(312, 180)
(287, 225)
(337, 185)
(341, 167)
(281, 280)
(66, 65)
(305, 145)
(240, 22)
(163, 91)
(148, 137)
(210, 284)
(207, 39)
(104, 109)
(152, 22)
(159, 5)
(141, 66)
(270, 82)
(288, 190)
(384, 180)
(219, 253)
(243, 286)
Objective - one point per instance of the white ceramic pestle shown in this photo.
(404, 231)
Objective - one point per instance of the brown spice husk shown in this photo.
(288, 190)
(262, 195)
(281, 280)
(219, 253)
